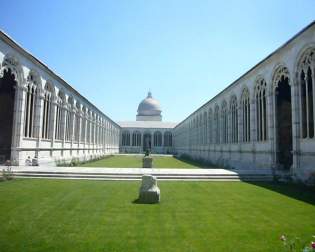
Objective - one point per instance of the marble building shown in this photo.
(148, 132)
(43, 118)
(264, 119)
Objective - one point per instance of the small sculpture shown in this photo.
(149, 191)
(147, 160)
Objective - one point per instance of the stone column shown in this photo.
(271, 132)
(296, 122)
(253, 136)
(79, 129)
(64, 112)
(52, 122)
(39, 118)
(72, 128)
(18, 123)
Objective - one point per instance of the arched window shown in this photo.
(93, 128)
(125, 138)
(168, 139)
(87, 125)
(46, 122)
(205, 128)
(200, 129)
(83, 127)
(68, 124)
(217, 125)
(210, 127)
(136, 138)
(58, 124)
(234, 120)
(245, 104)
(157, 138)
(77, 123)
(30, 104)
(306, 74)
(261, 109)
(224, 116)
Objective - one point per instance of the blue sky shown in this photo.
(185, 52)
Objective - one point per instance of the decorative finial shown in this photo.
(149, 94)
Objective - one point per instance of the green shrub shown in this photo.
(6, 174)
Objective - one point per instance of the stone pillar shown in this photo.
(79, 129)
(64, 112)
(253, 125)
(39, 118)
(72, 128)
(18, 123)
(52, 127)
(271, 98)
(296, 122)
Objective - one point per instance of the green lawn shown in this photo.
(129, 161)
(73, 215)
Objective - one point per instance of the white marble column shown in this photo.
(18, 123)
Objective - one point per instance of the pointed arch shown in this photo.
(245, 108)
(306, 81)
(33, 86)
(260, 96)
(234, 119)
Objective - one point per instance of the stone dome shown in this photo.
(149, 107)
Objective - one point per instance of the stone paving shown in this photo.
(170, 171)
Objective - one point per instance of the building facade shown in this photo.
(265, 119)
(148, 132)
(43, 118)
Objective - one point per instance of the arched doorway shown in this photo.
(7, 93)
(146, 141)
(283, 115)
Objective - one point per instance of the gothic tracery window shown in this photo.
(58, 122)
(46, 120)
(68, 118)
(234, 120)
(261, 110)
(77, 121)
(30, 106)
(157, 138)
(210, 127)
(205, 128)
(245, 104)
(168, 141)
(217, 125)
(306, 75)
(125, 138)
(224, 118)
(136, 138)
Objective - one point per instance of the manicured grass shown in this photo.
(70, 215)
(129, 161)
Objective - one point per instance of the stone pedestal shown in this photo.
(147, 162)
(149, 192)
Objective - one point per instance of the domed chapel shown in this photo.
(148, 132)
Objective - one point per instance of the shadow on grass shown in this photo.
(296, 191)
(138, 201)
(197, 163)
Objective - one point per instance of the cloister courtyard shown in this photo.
(157, 126)
(77, 215)
(85, 215)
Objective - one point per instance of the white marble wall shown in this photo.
(104, 131)
(162, 149)
(189, 135)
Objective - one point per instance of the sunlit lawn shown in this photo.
(130, 161)
(73, 215)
